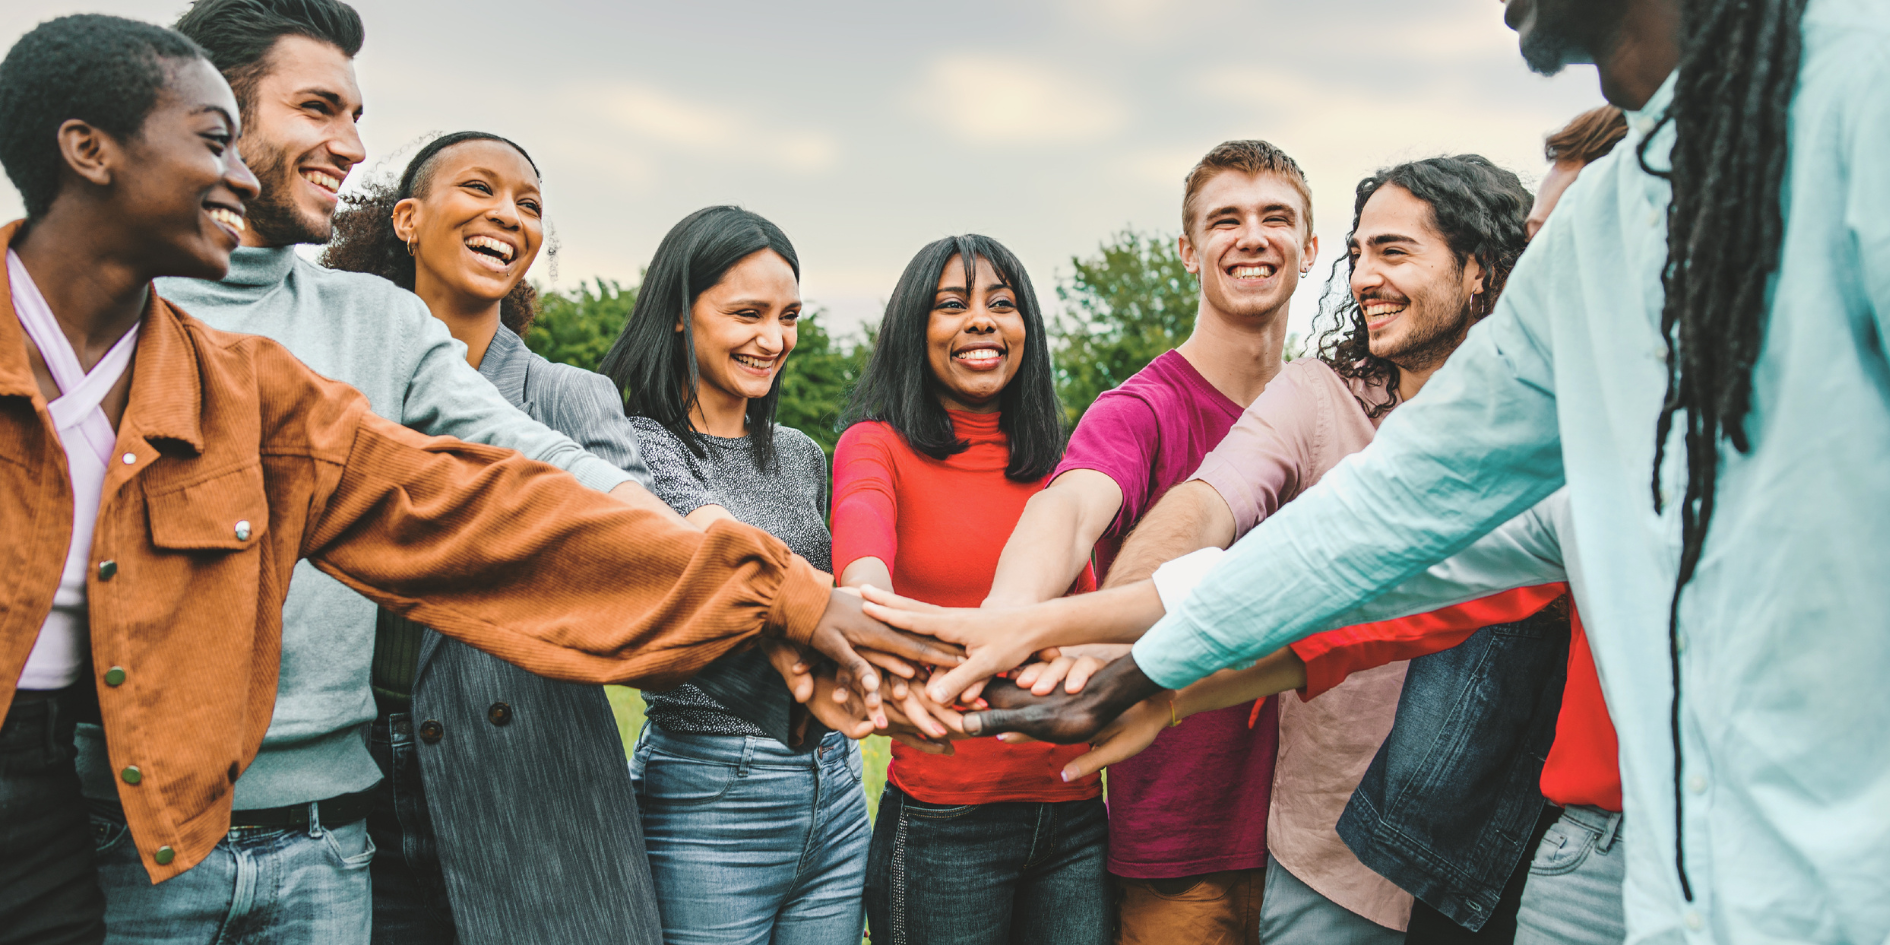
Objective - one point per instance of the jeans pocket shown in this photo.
(920, 809)
(856, 765)
(1563, 849)
(350, 844)
(107, 833)
(683, 782)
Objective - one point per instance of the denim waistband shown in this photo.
(747, 751)
(1605, 824)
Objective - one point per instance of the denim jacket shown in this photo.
(1450, 801)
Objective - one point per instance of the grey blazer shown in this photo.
(529, 792)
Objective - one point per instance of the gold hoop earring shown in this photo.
(410, 247)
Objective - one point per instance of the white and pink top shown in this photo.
(88, 438)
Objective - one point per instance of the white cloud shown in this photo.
(705, 128)
(991, 98)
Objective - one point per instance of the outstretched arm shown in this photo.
(1054, 537)
(1191, 516)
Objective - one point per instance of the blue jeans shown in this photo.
(1574, 891)
(989, 874)
(410, 902)
(752, 843)
(258, 886)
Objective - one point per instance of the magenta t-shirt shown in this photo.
(1196, 800)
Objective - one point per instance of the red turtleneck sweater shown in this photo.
(939, 525)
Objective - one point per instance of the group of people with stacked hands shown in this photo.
(1542, 600)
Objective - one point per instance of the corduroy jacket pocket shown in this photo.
(221, 511)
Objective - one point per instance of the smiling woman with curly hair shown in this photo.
(459, 228)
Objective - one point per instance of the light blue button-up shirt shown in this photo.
(1785, 628)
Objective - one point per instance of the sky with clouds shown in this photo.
(867, 128)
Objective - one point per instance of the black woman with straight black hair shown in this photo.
(954, 426)
(460, 227)
(753, 814)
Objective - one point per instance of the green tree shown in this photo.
(1122, 307)
(579, 327)
(817, 378)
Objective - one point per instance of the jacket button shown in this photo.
(432, 731)
(115, 676)
(131, 774)
(500, 714)
(106, 569)
(242, 530)
(164, 856)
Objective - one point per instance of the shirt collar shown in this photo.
(166, 388)
(260, 265)
(1649, 114)
(505, 348)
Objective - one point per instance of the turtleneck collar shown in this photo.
(260, 265)
(976, 427)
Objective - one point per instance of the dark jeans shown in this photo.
(410, 903)
(988, 874)
(49, 891)
(1431, 927)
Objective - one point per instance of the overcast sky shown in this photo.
(867, 128)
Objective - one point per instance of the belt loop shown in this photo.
(748, 752)
(1609, 832)
(314, 818)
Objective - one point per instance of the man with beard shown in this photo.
(1736, 600)
(1431, 244)
(1186, 859)
(289, 63)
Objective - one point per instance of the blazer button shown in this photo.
(131, 774)
(242, 530)
(500, 714)
(115, 676)
(106, 569)
(164, 856)
(432, 731)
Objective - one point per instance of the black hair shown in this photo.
(652, 362)
(1480, 209)
(106, 71)
(365, 241)
(238, 34)
(897, 387)
(1725, 232)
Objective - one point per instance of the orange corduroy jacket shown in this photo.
(510, 555)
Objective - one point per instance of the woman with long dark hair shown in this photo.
(754, 816)
(954, 426)
(461, 859)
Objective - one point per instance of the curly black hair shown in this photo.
(1480, 209)
(237, 35)
(106, 71)
(365, 241)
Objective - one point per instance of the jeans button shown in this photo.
(432, 731)
(500, 714)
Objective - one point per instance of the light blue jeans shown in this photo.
(750, 843)
(259, 886)
(1293, 913)
(1574, 892)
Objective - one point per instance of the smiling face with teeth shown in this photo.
(1413, 292)
(474, 224)
(975, 336)
(301, 140)
(743, 328)
(175, 192)
(1249, 245)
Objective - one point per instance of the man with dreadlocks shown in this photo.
(1678, 322)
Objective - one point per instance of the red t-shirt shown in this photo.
(1584, 762)
(940, 525)
(1196, 800)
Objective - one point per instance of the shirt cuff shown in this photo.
(1176, 579)
(799, 601)
(596, 474)
(1175, 652)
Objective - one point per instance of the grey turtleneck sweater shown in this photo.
(366, 332)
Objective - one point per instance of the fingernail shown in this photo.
(1067, 776)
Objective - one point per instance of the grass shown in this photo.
(875, 750)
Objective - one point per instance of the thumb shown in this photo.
(978, 667)
(993, 721)
(1101, 756)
